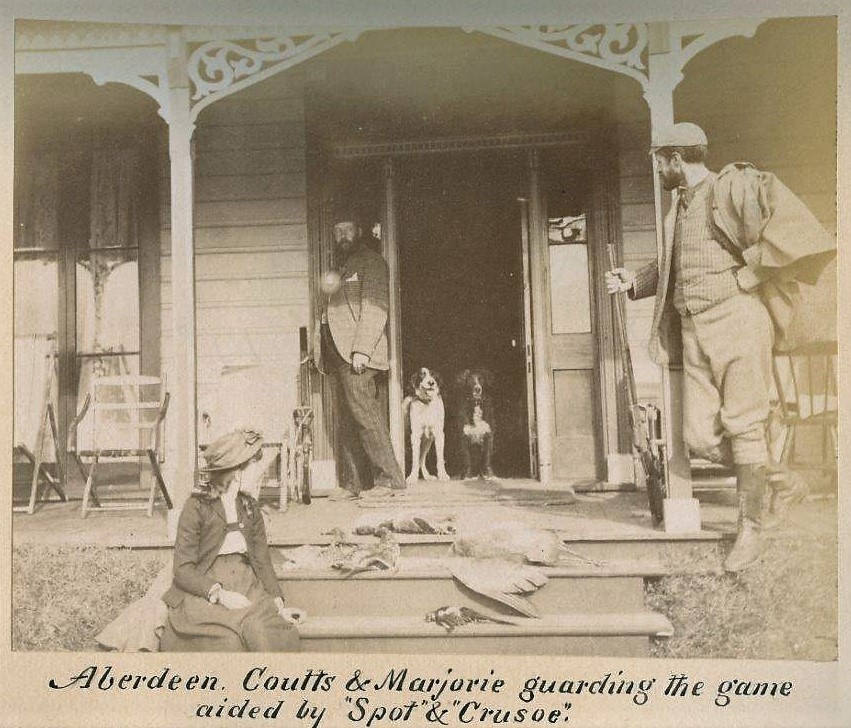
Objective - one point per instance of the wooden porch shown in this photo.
(593, 603)
(589, 517)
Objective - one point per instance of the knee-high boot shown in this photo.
(750, 483)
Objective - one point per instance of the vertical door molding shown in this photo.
(391, 255)
(528, 350)
(544, 413)
(319, 262)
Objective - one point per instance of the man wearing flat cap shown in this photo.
(741, 255)
(355, 350)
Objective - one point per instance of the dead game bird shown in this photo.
(381, 556)
(451, 617)
(506, 582)
(515, 541)
(406, 523)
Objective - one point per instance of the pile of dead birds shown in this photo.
(500, 561)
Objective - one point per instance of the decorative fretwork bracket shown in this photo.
(153, 85)
(625, 48)
(676, 43)
(219, 68)
(619, 47)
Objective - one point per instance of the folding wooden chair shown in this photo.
(35, 387)
(122, 420)
(805, 380)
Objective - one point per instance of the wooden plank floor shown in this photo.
(586, 516)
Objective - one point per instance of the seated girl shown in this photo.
(224, 596)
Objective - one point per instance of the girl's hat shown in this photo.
(232, 450)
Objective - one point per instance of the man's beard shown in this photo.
(344, 250)
(671, 182)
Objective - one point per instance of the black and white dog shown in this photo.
(426, 415)
(476, 423)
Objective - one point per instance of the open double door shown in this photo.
(495, 257)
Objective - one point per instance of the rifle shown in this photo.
(645, 419)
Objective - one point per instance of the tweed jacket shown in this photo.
(357, 312)
(200, 533)
(785, 254)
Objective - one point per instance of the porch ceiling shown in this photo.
(443, 82)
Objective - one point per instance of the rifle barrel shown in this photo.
(620, 325)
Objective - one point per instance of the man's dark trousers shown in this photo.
(364, 439)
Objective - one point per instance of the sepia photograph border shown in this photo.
(818, 697)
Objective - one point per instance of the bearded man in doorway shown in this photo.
(354, 350)
(741, 251)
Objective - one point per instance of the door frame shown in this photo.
(603, 226)
(603, 218)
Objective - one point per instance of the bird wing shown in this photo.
(502, 581)
(423, 525)
(471, 615)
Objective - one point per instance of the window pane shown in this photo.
(108, 302)
(570, 296)
(36, 291)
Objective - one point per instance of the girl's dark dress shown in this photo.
(196, 625)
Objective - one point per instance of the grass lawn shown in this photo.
(785, 607)
(62, 596)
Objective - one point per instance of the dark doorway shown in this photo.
(461, 279)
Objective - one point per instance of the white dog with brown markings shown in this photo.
(426, 414)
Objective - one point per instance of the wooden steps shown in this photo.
(585, 610)
(602, 547)
(622, 633)
(419, 590)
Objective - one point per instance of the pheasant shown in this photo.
(515, 541)
(500, 561)
(503, 581)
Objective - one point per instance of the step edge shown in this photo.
(648, 624)
(410, 539)
(428, 573)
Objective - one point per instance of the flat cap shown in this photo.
(683, 134)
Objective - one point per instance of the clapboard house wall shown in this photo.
(251, 257)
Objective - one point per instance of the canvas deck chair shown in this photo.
(35, 389)
(121, 421)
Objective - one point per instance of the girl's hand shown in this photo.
(288, 614)
(233, 600)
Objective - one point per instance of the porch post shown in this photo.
(182, 384)
(681, 509)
